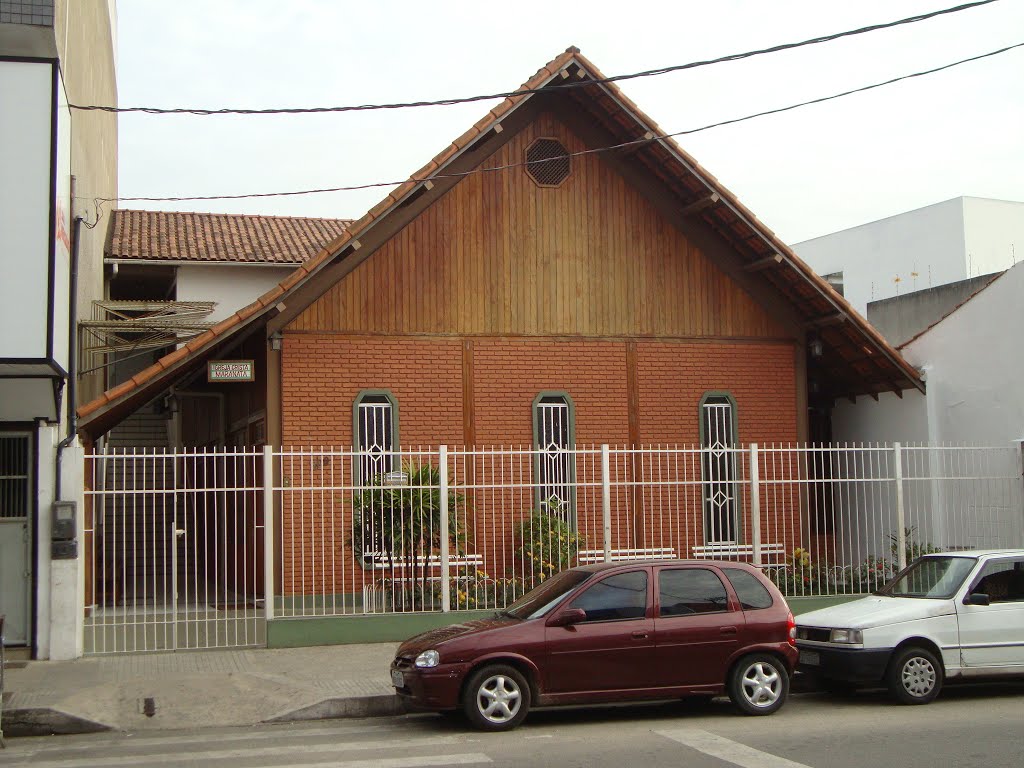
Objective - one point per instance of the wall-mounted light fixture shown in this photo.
(816, 347)
(276, 340)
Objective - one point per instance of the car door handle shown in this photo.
(640, 634)
(728, 630)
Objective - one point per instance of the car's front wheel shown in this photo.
(496, 698)
(758, 684)
(914, 676)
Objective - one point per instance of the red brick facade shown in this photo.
(433, 379)
(324, 373)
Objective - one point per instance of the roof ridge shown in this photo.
(117, 211)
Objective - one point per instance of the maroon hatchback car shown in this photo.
(612, 632)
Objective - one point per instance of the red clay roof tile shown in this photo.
(218, 237)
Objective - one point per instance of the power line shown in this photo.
(507, 94)
(591, 151)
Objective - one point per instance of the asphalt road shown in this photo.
(967, 726)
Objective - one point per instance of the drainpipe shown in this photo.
(72, 393)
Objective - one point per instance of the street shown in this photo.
(968, 726)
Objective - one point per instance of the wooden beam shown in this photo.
(833, 318)
(641, 144)
(766, 263)
(700, 205)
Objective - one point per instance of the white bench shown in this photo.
(589, 556)
(771, 554)
(379, 562)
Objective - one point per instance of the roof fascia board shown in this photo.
(200, 263)
(769, 238)
(396, 218)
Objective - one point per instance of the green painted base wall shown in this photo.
(343, 630)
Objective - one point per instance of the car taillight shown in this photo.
(791, 627)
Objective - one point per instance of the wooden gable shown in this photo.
(499, 255)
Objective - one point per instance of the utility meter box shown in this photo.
(64, 531)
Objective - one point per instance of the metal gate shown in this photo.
(15, 535)
(174, 547)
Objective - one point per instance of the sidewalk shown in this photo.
(199, 688)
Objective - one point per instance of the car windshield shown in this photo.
(541, 599)
(930, 577)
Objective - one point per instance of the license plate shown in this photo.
(811, 658)
(397, 679)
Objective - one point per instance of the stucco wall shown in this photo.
(232, 287)
(85, 31)
(974, 367)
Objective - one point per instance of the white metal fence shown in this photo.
(174, 548)
(180, 555)
(822, 520)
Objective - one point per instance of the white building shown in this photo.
(973, 369)
(931, 246)
(53, 163)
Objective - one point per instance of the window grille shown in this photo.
(375, 438)
(555, 468)
(718, 439)
(547, 162)
(14, 476)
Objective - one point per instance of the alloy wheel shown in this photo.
(498, 699)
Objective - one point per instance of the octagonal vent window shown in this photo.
(547, 162)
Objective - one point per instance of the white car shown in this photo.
(948, 615)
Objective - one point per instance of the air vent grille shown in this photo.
(548, 162)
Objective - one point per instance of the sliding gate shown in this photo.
(174, 550)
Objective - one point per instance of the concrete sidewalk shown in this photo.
(198, 688)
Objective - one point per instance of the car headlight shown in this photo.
(428, 659)
(852, 636)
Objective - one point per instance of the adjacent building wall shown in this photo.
(931, 246)
(232, 287)
(901, 318)
(85, 33)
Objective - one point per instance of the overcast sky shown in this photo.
(804, 173)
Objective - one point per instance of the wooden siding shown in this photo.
(499, 255)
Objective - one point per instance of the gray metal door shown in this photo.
(15, 539)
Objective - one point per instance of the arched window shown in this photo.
(375, 435)
(554, 435)
(718, 466)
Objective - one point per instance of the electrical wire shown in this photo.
(591, 151)
(508, 94)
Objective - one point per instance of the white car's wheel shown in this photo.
(914, 676)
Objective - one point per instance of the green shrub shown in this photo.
(549, 542)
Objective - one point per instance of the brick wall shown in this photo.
(672, 378)
(323, 374)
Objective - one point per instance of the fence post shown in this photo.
(606, 502)
(901, 529)
(755, 505)
(446, 587)
(268, 532)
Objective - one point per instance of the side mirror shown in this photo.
(568, 617)
(977, 598)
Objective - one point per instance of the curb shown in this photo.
(349, 706)
(43, 721)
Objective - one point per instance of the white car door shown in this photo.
(993, 635)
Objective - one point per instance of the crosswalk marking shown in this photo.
(469, 758)
(291, 751)
(277, 734)
(727, 749)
